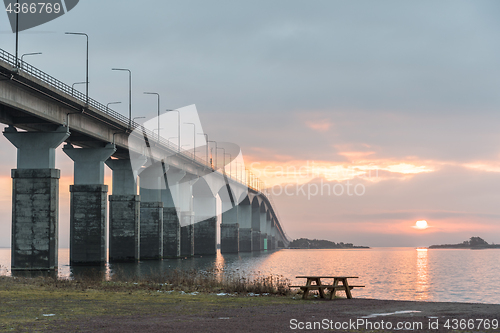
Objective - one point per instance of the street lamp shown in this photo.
(73, 86)
(157, 95)
(224, 159)
(230, 168)
(206, 139)
(215, 152)
(107, 105)
(194, 139)
(129, 93)
(178, 128)
(133, 120)
(83, 34)
(172, 137)
(157, 129)
(29, 54)
(17, 35)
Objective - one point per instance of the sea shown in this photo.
(403, 273)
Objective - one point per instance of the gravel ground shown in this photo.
(295, 317)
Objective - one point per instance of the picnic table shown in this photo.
(344, 286)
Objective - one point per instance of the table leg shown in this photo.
(321, 291)
(347, 289)
(334, 291)
(306, 290)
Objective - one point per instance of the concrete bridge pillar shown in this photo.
(124, 213)
(205, 220)
(187, 214)
(171, 213)
(257, 232)
(263, 228)
(245, 222)
(229, 229)
(35, 199)
(88, 232)
(269, 228)
(151, 215)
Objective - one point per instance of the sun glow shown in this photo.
(421, 225)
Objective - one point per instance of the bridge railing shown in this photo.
(271, 200)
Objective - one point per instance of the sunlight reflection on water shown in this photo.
(388, 273)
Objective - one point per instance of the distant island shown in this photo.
(473, 243)
(304, 243)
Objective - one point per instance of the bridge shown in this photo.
(171, 213)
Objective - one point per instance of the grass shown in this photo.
(24, 301)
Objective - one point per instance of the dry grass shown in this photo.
(207, 281)
(24, 301)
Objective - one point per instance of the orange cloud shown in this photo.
(303, 171)
(320, 126)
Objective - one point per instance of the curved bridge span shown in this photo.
(172, 213)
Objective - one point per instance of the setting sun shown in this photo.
(421, 225)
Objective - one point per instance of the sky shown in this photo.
(362, 117)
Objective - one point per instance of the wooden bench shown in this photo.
(332, 288)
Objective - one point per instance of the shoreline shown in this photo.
(32, 306)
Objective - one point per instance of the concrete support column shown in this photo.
(263, 241)
(171, 213)
(246, 231)
(88, 231)
(256, 242)
(124, 213)
(35, 199)
(151, 216)
(171, 226)
(205, 226)
(269, 232)
(187, 237)
(205, 237)
(264, 231)
(229, 229)
(187, 215)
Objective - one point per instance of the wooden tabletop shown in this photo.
(326, 277)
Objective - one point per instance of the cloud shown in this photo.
(320, 126)
(454, 200)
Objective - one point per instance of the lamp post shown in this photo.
(211, 160)
(29, 54)
(73, 86)
(133, 120)
(206, 139)
(129, 93)
(157, 95)
(17, 35)
(215, 152)
(172, 137)
(178, 128)
(230, 168)
(236, 162)
(107, 105)
(224, 160)
(87, 80)
(157, 129)
(194, 139)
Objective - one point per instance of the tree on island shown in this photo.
(304, 243)
(477, 241)
(472, 243)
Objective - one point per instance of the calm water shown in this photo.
(387, 273)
